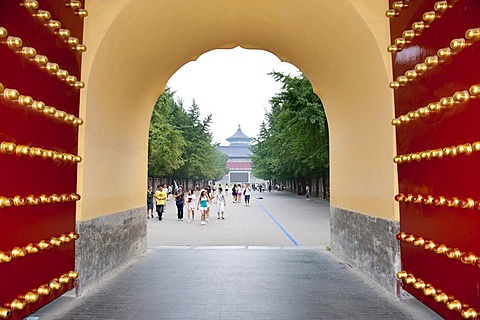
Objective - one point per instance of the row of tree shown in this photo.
(293, 139)
(180, 143)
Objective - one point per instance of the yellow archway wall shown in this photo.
(134, 46)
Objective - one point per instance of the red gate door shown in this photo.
(40, 59)
(436, 53)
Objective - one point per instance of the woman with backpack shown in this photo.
(247, 192)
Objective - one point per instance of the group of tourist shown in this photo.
(203, 202)
(238, 190)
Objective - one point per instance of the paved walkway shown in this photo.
(260, 224)
(266, 261)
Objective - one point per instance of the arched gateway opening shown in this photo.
(48, 125)
(134, 46)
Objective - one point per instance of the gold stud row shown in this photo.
(32, 200)
(429, 290)
(465, 149)
(77, 7)
(39, 106)
(459, 97)
(397, 6)
(54, 25)
(468, 258)
(417, 27)
(33, 248)
(16, 44)
(34, 295)
(439, 201)
(73, 4)
(456, 46)
(10, 148)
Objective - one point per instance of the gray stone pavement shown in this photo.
(308, 223)
(245, 267)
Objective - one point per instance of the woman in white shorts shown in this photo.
(191, 203)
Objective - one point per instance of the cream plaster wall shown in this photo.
(134, 46)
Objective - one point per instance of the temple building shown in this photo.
(238, 163)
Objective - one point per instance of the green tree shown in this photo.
(166, 143)
(180, 142)
(204, 160)
(293, 139)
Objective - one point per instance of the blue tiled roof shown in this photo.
(236, 151)
(239, 135)
(239, 138)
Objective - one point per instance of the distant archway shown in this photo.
(136, 45)
(331, 44)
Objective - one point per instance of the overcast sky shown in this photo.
(233, 86)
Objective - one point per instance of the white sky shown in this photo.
(233, 86)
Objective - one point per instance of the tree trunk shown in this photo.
(326, 184)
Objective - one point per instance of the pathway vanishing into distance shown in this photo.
(266, 261)
(279, 219)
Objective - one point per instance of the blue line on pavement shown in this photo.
(278, 224)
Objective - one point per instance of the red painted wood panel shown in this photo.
(29, 175)
(447, 176)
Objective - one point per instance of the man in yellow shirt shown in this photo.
(160, 197)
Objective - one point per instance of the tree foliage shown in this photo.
(293, 138)
(180, 142)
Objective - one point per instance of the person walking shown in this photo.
(221, 203)
(149, 202)
(247, 192)
(180, 202)
(160, 197)
(239, 193)
(165, 189)
(210, 199)
(307, 192)
(202, 204)
(191, 197)
(234, 193)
